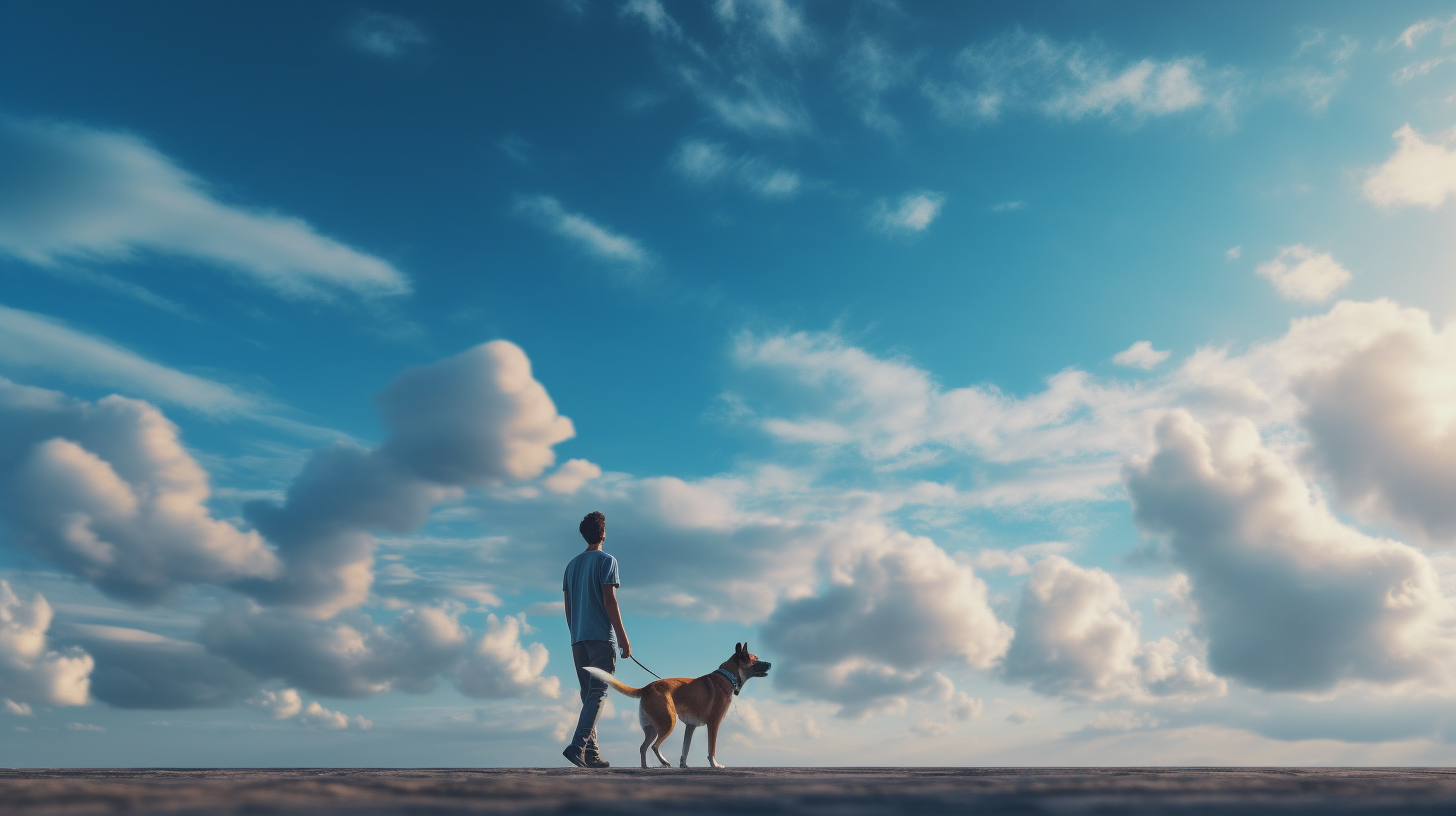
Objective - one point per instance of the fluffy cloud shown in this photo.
(891, 410)
(1379, 424)
(106, 491)
(352, 656)
(474, 419)
(287, 704)
(30, 671)
(1071, 81)
(1140, 355)
(581, 231)
(888, 617)
(349, 656)
(1300, 273)
(1419, 173)
(570, 477)
(1076, 636)
(71, 192)
(704, 162)
(912, 214)
(29, 340)
(1289, 598)
(499, 666)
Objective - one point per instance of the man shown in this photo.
(590, 590)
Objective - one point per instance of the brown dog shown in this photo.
(703, 701)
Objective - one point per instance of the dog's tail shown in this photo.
(613, 682)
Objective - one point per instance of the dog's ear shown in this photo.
(737, 649)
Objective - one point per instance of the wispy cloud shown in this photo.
(386, 35)
(912, 214)
(1072, 81)
(704, 162)
(73, 192)
(581, 231)
(743, 83)
(29, 340)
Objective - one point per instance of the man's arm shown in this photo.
(609, 600)
(566, 604)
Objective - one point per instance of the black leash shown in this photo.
(644, 668)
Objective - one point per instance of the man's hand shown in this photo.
(626, 648)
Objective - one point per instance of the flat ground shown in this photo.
(837, 791)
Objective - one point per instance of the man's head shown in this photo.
(594, 527)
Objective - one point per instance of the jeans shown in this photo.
(603, 655)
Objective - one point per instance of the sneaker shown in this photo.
(573, 755)
(595, 761)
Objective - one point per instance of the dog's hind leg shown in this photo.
(648, 732)
(687, 740)
(713, 745)
(660, 713)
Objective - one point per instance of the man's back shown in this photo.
(585, 576)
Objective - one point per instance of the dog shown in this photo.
(701, 701)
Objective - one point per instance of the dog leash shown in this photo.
(644, 668)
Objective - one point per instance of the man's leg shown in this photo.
(597, 653)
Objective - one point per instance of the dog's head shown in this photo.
(746, 664)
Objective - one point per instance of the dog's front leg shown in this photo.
(713, 745)
(687, 740)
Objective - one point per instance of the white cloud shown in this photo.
(349, 656)
(888, 617)
(71, 192)
(871, 69)
(1146, 88)
(478, 418)
(704, 162)
(570, 477)
(582, 231)
(18, 709)
(106, 491)
(1076, 636)
(911, 214)
(1303, 274)
(777, 21)
(1413, 34)
(1140, 355)
(1289, 598)
(1072, 81)
(1419, 173)
(31, 671)
(652, 12)
(1379, 421)
(499, 666)
(386, 35)
(1234, 253)
(29, 340)
(287, 704)
(737, 84)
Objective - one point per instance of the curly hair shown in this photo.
(594, 527)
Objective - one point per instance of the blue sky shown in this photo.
(1062, 384)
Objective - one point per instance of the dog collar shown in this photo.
(732, 678)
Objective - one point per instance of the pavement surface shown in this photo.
(827, 791)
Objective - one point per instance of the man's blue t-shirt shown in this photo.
(585, 576)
